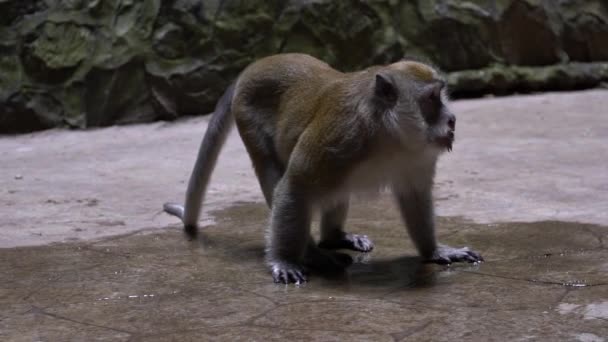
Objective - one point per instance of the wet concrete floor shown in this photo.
(541, 281)
(87, 254)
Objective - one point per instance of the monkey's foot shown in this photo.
(285, 273)
(445, 255)
(355, 242)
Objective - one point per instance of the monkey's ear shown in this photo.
(385, 90)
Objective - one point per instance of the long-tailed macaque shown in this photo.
(315, 135)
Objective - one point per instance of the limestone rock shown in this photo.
(86, 63)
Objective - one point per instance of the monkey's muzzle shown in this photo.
(446, 141)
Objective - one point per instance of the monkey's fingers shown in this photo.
(290, 276)
(298, 276)
(446, 255)
(355, 242)
(362, 243)
(476, 257)
(469, 256)
(440, 260)
(287, 275)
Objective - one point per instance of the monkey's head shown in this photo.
(413, 101)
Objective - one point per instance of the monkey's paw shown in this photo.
(355, 242)
(285, 273)
(445, 255)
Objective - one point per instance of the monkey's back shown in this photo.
(277, 95)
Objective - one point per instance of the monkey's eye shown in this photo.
(430, 102)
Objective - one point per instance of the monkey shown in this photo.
(316, 135)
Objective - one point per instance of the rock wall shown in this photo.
(86, 63)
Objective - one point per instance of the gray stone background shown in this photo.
(88, 63)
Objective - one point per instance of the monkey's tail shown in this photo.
(215, 137)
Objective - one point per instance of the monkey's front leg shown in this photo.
(289, 233)
(416, 205)
(332, 231)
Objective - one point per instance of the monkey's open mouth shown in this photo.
(446, 141)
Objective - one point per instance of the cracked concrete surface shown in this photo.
(87, 254)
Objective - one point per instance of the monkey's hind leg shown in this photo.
(267, 166)
(333, 235)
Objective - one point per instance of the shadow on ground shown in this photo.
(541, 281)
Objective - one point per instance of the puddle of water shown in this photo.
(221, 277)
(597, 310)
(588, 337)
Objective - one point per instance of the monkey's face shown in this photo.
(438, 119)
(416, 111)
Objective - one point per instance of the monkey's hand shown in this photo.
(359, 243)
(285, 273)
(445, 255)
